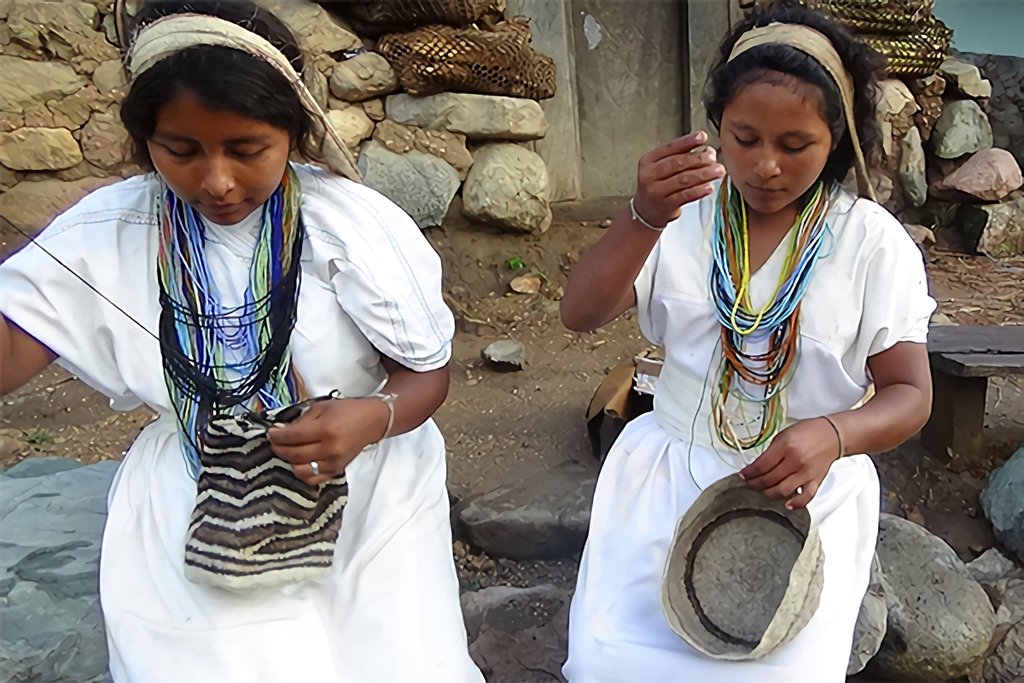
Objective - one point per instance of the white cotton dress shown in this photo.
(868, 293)
(388, 611)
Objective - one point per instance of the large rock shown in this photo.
(480, 117)
(990, 175)
(510, 609)
(895, 108)
(546, 516)
(67, 31)
(962, 129)
(940, 619)
(39, 149)
(32, 205)
(365, 76)
(51, 626)
(1003, 499)
(1006, 663)
(871, 623)
(913, 175)
(312, 24)
(448, 146)
(965, 78)
(1006, 106)
(109, 77)
(508, 187)
(997, 229)
(24, 82)
(423, 185)
(524, 639)
(352, 124)
(105, 142)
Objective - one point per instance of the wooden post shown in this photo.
(955, 429)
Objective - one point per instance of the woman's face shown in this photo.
(223, 164)
(775, 142)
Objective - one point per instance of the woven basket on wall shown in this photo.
(436, 59)
(376, 17)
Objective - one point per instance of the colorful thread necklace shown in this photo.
(774, 327)
(214, 357)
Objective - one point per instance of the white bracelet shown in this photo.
(639, 219)
(389, 401)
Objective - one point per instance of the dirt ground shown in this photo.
(504, 427)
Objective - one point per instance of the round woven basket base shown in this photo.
(738, 572)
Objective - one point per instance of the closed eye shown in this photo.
(179, 153)
(744, 142)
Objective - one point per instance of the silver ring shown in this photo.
(315, 466)
(799, 490)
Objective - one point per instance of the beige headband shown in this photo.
(172, 34)
(818, 47)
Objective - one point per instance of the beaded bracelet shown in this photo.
(389, 401)
(639, 219)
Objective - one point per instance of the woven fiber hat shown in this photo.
(743, 575)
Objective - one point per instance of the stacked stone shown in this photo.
(60, 135)
(941, 156)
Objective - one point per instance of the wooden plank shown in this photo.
(976, 339)
(979, 364)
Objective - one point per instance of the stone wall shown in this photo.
(943, 163)
(60, 135)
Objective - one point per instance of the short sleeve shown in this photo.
(387, 277)
(897, 305)
(644, 286)
(56, 302)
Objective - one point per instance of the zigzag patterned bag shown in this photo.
(255, 524)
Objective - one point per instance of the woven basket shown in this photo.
(919, 54)
(886, 17)
(376, 17)
(437, 59)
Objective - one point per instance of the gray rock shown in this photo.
(965, 78)
(1006, 107)
(1006, 663)
(998, 231)
(912, 168)
(423, 185)
(506, 354)
(509, 608)
(992, 566)
(363, 77)
(940, 620)
(40, 467)
(546, 516)
(508, 187)
(962, 129)
(51, 627)
(317, 29)
(478, 117)
(1003, 503)
(871, 623)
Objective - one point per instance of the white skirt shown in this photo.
(617, 630)
(388, 611)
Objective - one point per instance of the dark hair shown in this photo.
(863, 64)
(222, 78)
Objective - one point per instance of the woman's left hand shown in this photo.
(331, 434)
(799, 457)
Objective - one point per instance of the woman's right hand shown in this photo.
(674, 175)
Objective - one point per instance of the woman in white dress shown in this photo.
(780, 299)
(216, 111)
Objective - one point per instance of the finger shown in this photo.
(696, 178)
(301, 455)
(787, 487)
(307, 429)
(679, 163)
(806, 496)
(690, 194)
(765, 463)
(682, 145)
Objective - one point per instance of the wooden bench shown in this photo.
(962, 359)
